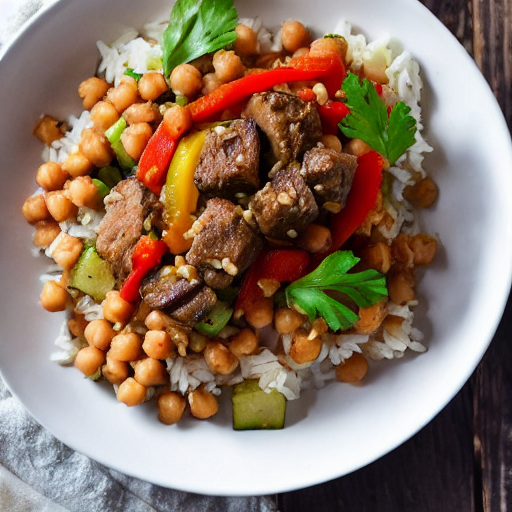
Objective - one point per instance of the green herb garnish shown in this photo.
(130, 72)
(368, 120)
(364, 288)
(196, 28)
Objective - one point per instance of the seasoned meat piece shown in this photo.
(217, 279)
(167, 291)
(291, 125)
(197, 307)
(229, 161)
(127, 206)
(329, 173)
(285, 206)
(224, 239)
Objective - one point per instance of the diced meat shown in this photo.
(197, 307)
(329, 173)
(285, 206)
(217, 279)
(291, 125)
(229, 161)
(127, 207)
(225, 240)
(167, 291)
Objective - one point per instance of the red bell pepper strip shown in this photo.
(331, 113)
(146, 255)
(283, 265)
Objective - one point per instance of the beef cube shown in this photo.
(196, 308)
(229, 161)
(223, 239)
(285, 206)
(127, 206)
(291, 125)
(329, 173)
(216, 279)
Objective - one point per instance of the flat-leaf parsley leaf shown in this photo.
(197, 28)
(364, 288)
(390, 135)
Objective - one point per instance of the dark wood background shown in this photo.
(462, 460)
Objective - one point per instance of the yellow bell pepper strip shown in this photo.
(181, 194)
(154, 162)
(147, 254)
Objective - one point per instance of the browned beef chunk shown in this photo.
(229, 161)
(167, 292)
(329, 173)
(217, 279)
(197, 307)
(224, 240)
(285, 206)
(291, 125)
(127, 206)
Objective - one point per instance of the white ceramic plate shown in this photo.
(329, 433)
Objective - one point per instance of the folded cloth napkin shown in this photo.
(40, 474)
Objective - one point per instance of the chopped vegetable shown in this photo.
(254, 409)
(92, 275)
(103, 190)
(364, 288)
(331, 113)
(113, 135)
(368, 120)
(197, 28)
(215, 320)
(110, 176)
(130, 72)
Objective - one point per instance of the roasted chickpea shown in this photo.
(294, 35)
(357, 147)
(124, 95)
(125, 347)
(210, 83)
(92, 90)
(142, 113)
(352, 369)
(89, 360)
(424, 248)
(83, 192)
(304, 349)
(35, 209)
(261, 313)
(103, 115)
(95, 147)
(370, 318)
(99, 333)
(67, 251)
(288, 320)
(158, 344)
(246, 43)
(131, 393)
(332, 142)
(116, 309)
(135, 139)
(186, 80)
(54, 297)
(77, 164)
(422, 194)
(377, 256)
(152, 85)
(60, 206)
(401, 287)
(48, 131)
(244, 343)
(315, 238)
(219, 359)
(115, 371)
(151, 372)
(178, 119)
(203, 404)
(51, 176)
(228, 66)
(329, 45)
(171, 407)
(46, 232)
(77, 325)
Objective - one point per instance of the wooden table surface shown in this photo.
(462, 460)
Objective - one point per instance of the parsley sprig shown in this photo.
(364, 288)
(197, 28)
(368, 120)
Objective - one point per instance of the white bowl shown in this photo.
(340, 428)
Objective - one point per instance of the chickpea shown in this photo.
(315, 238)
(35, 209)
(158, 344)
(152, 85)
(352, 369)
(332, 142)
(103, 115)
(228, 66)
(77, 164)
(99, 333)
(48, 131)
(51, 176)
(142, 113)
(294, 35)
(370, 318)
(125, 347)
(244, 343)
(131, 393)
(135, 139)
(401, 287)
(424, 248)
(95, 147)
(303, 349)
(422, 194)
(378, 257)
(171, 407)
(203, 404)
(246, 43)
(186, 80)
(54, 297)
(115, 371)
(261, 313)
(89, 360)
(157, 321)
(197, 342)
(210, 83)
(77, 325)
(219, 359)
(124, 95)
(83, 192)
(300, 52)
(60, 206)
(329, 45)
(401, 250)
(92, 90)
(67, 251)
(357, 147)
(178, 120)
(46, 232)
(288, 320)
(116, 309)
(151, 372)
